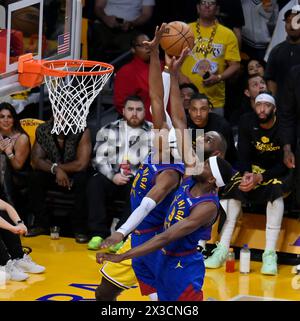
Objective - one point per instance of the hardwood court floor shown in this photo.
(72, 274)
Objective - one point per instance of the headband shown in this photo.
(216, 171)
(265, 98)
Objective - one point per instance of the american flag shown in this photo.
(63, 43)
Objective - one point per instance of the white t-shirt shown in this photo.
(128, 10)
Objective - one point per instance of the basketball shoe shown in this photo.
(269, 266)
(15, 273)
(95, 242)
(27, 265)
(218, 257)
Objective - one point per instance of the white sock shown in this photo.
(274, 218)
(202, 243)
(153, 297)
(232, 209)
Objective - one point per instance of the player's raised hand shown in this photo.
(101, 257)
(115, 238)
(154, 43)
(176, 62)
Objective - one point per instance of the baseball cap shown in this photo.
(295, 10)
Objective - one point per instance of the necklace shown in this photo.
(201, 47)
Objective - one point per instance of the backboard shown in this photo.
(49, 29)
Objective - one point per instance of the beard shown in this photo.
(265, 120)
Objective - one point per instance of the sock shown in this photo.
(232, 209)
(153, 297)
(274, 218)
(202, 243)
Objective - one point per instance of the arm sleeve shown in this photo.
(137, 216)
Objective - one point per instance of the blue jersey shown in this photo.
(143, 183)
(181, 208)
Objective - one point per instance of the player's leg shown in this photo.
(232, 208)
(274, 213)
(107, 291)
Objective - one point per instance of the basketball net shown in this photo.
(72, 86)
(71, 97)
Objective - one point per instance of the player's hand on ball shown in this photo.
(176, 62)
(154, 43)
(115, 238)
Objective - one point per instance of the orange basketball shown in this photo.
(177, 36)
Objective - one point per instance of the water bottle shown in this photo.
(245, 259)
(230, 261)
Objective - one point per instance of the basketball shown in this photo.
(177, 36)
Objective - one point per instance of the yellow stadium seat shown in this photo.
(30, 125)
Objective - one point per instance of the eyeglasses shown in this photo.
(141, 45)
(208, 3)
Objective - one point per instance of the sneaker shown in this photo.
(269, 266)
(95, 242)
(14, 272)
(27, 265)
(218, 257)
(115, 248)
(4, 276)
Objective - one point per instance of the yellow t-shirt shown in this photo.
(224, 48)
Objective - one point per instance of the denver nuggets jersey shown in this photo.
(181, 208)
(142, 184)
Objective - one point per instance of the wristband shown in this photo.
(53, 167)
(11, 155)
(20, 222)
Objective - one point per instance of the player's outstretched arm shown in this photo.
(178, 116)
(156, 88)
(165, 182)
(201, 215)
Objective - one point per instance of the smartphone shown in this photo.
(206, 75)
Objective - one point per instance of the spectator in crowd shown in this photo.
(200, 116)
(283, 57)
(263, 177)
(117, 23)
(132, 78)
(123, 143)
(290, 126)
(215, 56)
(279, 33)
(260, 17)
(187, 90)
(59, 162)
(12, 258)
(14, 157)
(254, 84)
(256, 67)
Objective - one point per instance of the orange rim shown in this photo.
(48, 68)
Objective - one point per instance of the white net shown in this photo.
(72, 95)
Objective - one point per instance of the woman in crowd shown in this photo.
(13, 261)
(14, 153)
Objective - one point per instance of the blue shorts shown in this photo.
(180, 278)
(144, 266)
